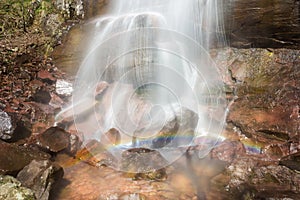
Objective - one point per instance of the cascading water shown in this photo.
(154, 57)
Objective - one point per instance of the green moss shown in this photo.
(11, 189)
(16, 14)
(269, 178)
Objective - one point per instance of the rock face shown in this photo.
(266, 90)
(13, 158)
(292, 161)
(228, 151)
(263, 122)
(137, 160)
(263, 23)
(40, 176)
(11, 189)
(56, 139)
(251, 175)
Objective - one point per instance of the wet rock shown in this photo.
(13, 158)
(265, 109)
(74, 144)
(92, 147)
(6, 126)
(46, 76)
(96, 154)
(63, 87)
(42, 96)
(40, 176)
(100, 89)
(294, 144)
(265, 123)
(111, 137)
(56, 139)
(279, 177)
(156, 175)
(11, 189)
(178, 131)
(68, 56)
(241, 170)
(280, 195)
(144, 163)
(135, 196)
(273, 152)
(244, 192)
(42, 111)
(56, 102)
(257, 175)
(292, 161)
(165, 136)
(228, 151)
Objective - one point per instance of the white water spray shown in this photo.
(154, 55)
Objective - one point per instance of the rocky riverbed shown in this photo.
(258, 159)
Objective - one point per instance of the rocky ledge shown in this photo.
(260, 152)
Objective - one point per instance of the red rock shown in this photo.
(74, 144)
(35, 84)
(54, 139)
(262, 123)
(39, 127)
(100, 88)
(111, 137)
(46, 76)
(14, 158)
(292, 161)
(56, 101)
(228, 150)
(42, 96)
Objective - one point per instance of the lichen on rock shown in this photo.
(11, 189)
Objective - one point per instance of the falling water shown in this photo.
(154, 56)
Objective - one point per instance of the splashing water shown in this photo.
(153, 55)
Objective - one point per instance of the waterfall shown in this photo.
(154, 55)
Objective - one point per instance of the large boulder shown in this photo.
(13, 158)
(265, 86)
(40, 176)
(56, 139)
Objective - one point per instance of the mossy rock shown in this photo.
(11, 189)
